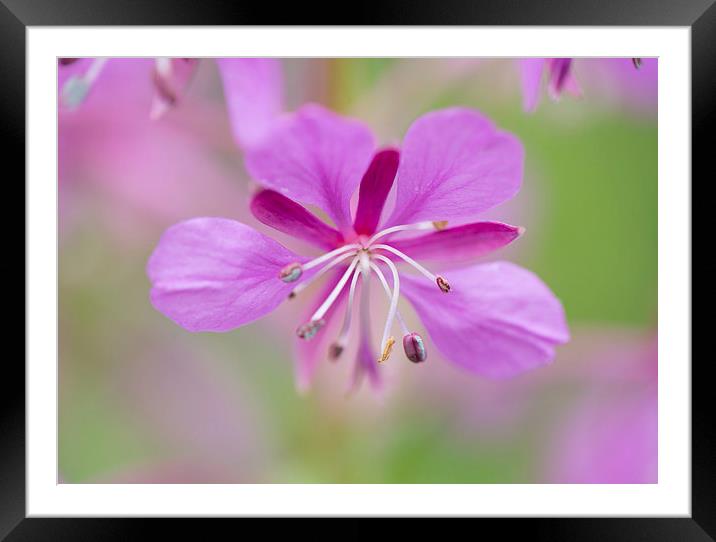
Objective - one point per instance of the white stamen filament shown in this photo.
(320, 313)
(388, 231)
(94, 70)
(389, 293)
(164, 66)
(305, 284)
(407, 259)
(328, 255)
(345, 329)
(393, 301)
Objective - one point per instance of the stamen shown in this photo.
(308, 331)
(164, 66)
(393, 307)
(636, 62)
(442, 284)
(291, 273)
(440, 224)
(388, 231)
(76, 88)
(320, 313)
(328, 255)
(414, 348)
(336, 349)
(409, 260)
(388, 292)
(387, 349)
(305, 284)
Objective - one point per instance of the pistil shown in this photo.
(384, 343)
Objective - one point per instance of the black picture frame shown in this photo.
(16, 15)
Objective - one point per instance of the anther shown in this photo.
(387, 349)
(308, 331)
(440, 224)
(74, 92)
(291, 273)
(442, 284)
(76, 88)
(335, 351)
(414, 348)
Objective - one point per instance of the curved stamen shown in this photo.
(305, 284)
(387, 342)
(389, 293)
(443, 284)
(388, 231)
(328, 255)
(320, 313)
(340, 344)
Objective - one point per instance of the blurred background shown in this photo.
(142, 400)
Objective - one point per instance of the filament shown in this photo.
(305, 284)
(336, 291)
(328, 255)
(343, 336)
(393, 302)
(388, 231)
(389, 293)
(407, 259)
(94, 70)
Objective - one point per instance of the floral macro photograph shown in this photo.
(357, 270)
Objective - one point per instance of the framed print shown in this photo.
(430, 263)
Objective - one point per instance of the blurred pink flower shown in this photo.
(150, 171)
(559, 79)
(631, 78)
(498, 320)
(611, 435)
(252, 87)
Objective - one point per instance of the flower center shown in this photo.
(366, 258)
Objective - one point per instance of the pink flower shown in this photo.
(252, 88)
(495, 319)
(559, 79)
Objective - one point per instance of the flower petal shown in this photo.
(531, 72)
(215, 274)
(498, 320)
(287, 216)
(454, 165)
(254, 95)
(459, 244)
(374, 188)
(316, 157)
(561, 78)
